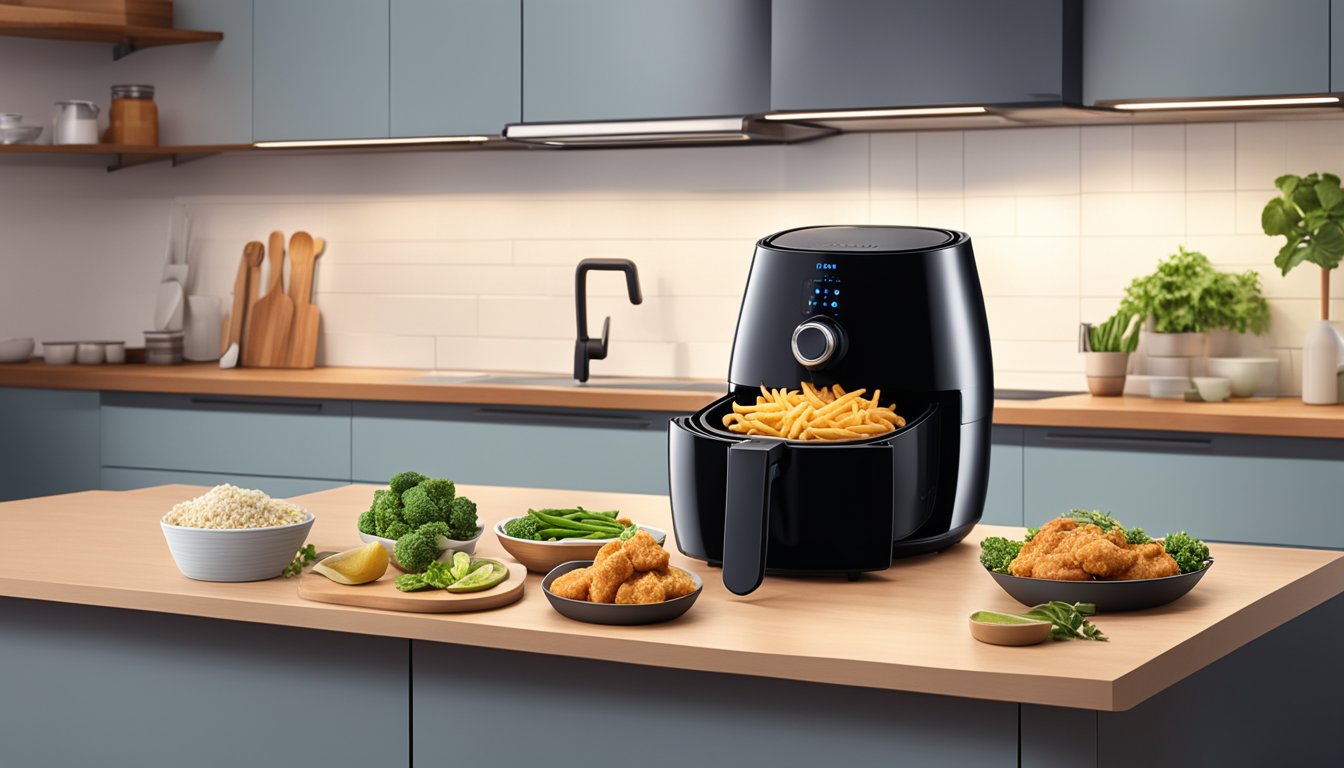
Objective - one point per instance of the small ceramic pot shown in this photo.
(1105, 372)
(1169, 366)
(1174, 344)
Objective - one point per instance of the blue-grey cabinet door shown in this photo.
(320, 69)
(1155, 49)
(1336, 51)
(612, 59)
(456, 66)
(1218, 487)
(50, 442)
(1003, 501)
(527, 447)
(838, 54)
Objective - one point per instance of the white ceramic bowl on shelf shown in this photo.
(15, 350)
(1249, 375)
(1167, 387)
(59, 352)
(446, 546)
(235, 554)
(1213, 389)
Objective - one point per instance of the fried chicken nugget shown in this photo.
(608, 576)
(640, 589)
(607, 550)
(1151, 562)
(676, 582)
(1047, 555)
(645, 552)
(573, 585)
(1100, 556)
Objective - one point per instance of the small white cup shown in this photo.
(115, 352)
(89, 353)
(59, 352)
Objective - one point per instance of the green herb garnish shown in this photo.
(305, 556)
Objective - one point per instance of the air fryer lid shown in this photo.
(861, 239)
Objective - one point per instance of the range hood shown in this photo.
(679, 132)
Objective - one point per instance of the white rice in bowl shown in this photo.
(228, 506)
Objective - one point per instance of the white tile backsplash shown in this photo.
(465, 260)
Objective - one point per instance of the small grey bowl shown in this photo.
(610, 613)
(235, 554)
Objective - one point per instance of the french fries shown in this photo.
(829, 413)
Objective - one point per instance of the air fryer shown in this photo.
(891, 308)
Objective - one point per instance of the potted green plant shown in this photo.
(1309, 213)
(1183, 299)
(1106, 350)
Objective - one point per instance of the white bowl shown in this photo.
(1168, 387)
(543, 556)
(1213, 389)
(89, 353)
(1249, 375)
(59, 352)
(235, 554)
(446, 546)
(15, 350)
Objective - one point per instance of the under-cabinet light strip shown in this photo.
(1229, 103)
(370, 142)
(854, 114)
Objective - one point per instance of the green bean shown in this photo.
(559, 533)
(560, 522)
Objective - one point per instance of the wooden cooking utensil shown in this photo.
(233, 334)
(253, 293)
(302, 352)
(266, 340)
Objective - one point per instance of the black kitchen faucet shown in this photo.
(586, 349)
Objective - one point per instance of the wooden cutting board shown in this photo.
(267, 340)
(302, 348)
(384, 595)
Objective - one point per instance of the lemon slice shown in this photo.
(355, 566)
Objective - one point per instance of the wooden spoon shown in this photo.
(272, 315)
(253, 253)
(302, 352)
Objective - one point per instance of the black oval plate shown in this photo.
(1108, 596)
(610, 613)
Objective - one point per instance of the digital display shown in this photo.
(823, 296)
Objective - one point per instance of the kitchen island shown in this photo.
(157, 669)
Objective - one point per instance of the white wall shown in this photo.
(464, 260)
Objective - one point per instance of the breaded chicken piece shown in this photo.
(1100, 555)
(607, 550)
(1151, 562)
(1047, 556)
(645, 553)
(676, 582)
(640, 589)
(608, 576)
(573, 585)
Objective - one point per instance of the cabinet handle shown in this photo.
(545, 417)
(256, 406)
(1128, 442)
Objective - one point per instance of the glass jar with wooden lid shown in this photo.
(134, 117)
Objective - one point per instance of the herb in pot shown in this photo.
(1185, 294)
(1114, 335)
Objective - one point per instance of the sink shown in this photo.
(1028, 394)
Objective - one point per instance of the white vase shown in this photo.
(1321, 353)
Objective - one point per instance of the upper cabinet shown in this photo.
(618, 59)
(320, 69)
(853, 54)
(1177, 49)
(456, 66)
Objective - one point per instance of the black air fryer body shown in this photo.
(891, 308)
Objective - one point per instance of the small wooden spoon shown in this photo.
(253, 253)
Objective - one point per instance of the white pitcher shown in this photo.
(75, 122)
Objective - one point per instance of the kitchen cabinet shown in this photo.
(50, 442)
(320, 69)
(1154, 49)
(1336, 51)
(1220, 487)
(512, 446)
(129, 479)
(217, 436)
(846, 54)
(456, 66)
(618, 59)
(1003, 501)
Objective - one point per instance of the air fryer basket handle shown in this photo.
(753, 466)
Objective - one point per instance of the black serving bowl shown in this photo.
(1108, 596)
(610, 613)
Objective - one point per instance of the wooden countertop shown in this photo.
(903, 629)
(1284, 417)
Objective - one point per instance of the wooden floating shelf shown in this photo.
(125, 39)
(120, 156)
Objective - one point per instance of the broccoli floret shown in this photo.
(997, 552)
(440, 491)
(524, 527)
(396, 530)
(1188, 552)
(421, 509)
(432, 531)
(386, 511)
(1136, 536)
(368, 523)
(414, 552)
(412, 582)
(405, 481)
(462, 519)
